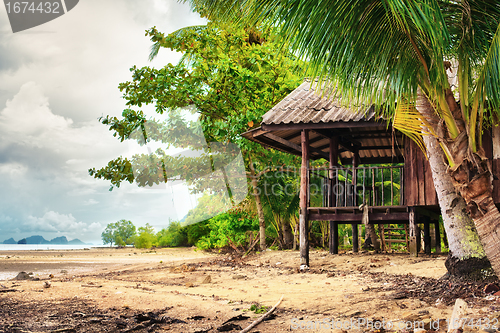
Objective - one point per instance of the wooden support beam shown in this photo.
(375, 160)
(333, 243)
(349, 218)
(438, 236)
(362, 147)
(282, 141)
(412, 228)
(355, 160)
(334, 227)
(293, 145)
(434, 215)
(427, 235)
(355, 238)
(349, 145)
(329, 125)
(258, 132)
(304, 186)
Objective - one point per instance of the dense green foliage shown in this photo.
(173, 236)
(232, 229)
(228, 230)
(120, 233)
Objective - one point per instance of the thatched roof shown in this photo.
(358, 129)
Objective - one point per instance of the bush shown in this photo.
(173, 236)
(145, 240)
(196, 231)
(228, 228)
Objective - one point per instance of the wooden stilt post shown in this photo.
(438, 236)
(418, 233)
(334, 238)
(304, 189)
(334, 227)
(355, 238)
(355, 235)
(427, 235)
(412, 228)
(355, 159)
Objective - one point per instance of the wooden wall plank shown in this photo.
(419, 187)
(304, 186)
(420, 175)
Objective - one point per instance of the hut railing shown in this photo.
(353, 186)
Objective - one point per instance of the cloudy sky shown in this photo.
(56, 80)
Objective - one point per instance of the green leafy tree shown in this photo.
(398, 55)
(120, 233)
(145, 238)
(229, 77)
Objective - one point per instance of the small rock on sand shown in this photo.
(22, 276)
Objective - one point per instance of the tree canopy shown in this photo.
(119, 233)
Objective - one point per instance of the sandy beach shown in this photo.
(127, 290)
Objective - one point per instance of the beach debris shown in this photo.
(228, 327)
(239, 317)
(189, 285)
(458, 315)
(196, 318)
(491, 288)
(7, 290)
(47, 284)
(68, 329)
(151, 318)
(258, 321)
(182, 269)
(92, 285)
(207, 279)
(239, 276)
(23, 276)
(204, 330)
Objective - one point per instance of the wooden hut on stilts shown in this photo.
(370, 163)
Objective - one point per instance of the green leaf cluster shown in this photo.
(120, 233)
(228, 229)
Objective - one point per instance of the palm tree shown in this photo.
(396, 55)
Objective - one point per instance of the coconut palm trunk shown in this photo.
(473, 179)
(466, 251)
(467, 242)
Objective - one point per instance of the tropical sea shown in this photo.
(31, 247)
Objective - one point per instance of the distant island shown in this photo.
(40, 240)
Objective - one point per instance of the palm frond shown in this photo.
(408, 121)
(487, 89)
